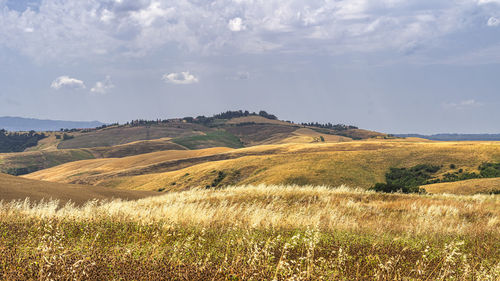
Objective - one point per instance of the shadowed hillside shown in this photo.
(27, 162)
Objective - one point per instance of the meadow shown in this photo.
(260, 232)
(357, 163)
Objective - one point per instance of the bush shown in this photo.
(407, 180)
(220, 177)
(489, 170)
(67, 137)
(18, 141)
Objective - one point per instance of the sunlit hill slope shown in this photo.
(356, 163)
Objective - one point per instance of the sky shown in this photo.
(413, 66)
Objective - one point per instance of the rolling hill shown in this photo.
(355, 163)
(16, 188)
(234, 148)
(230, 129)
(21, 163)
(465, 187)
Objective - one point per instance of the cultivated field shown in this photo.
(256, 233)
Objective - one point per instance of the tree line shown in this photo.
(336, 127)
(18, 141)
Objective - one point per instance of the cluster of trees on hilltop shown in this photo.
(204, 120)
(240, 113)
(228, 115)
(17, 142)
(337, 127)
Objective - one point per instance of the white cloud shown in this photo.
(72, 30)
(147, 16)
(102, 87)
(493, 21)
(463, 104)
(482, 2)
(107, 16)
(182, 78)
(243, 75)
(236, 25)
(67, 82)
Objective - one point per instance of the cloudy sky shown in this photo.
(396, 66)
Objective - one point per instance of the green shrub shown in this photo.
(407, 180)
(489, 170)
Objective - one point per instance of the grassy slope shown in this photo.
(15, 188)
(219, 138)
(36, 160)
(43, 159)
(121, 135)
(465, 187)
(85, 171)
(135, 148)
(354, 164)
(256, 233)
(359, 163)
(307, 135)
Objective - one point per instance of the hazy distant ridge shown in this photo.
(455, 137)
(27, 124)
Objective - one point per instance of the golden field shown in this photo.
(465, 187)
(255, 233)
(354, 163)
(16, 188)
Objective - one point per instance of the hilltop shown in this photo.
(232, 129)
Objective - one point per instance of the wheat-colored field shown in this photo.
(15, 188)
(356, 163)
(80, 169)
(255, 233)
(465, 187)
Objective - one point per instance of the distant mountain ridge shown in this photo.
(454, 137)
(27, 124)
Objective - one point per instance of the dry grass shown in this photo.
(466, 187)
(256, 233)
(307, 135)
(12, 188)
(122, 135)
(79, 169)
(46, 157)
(358, 163)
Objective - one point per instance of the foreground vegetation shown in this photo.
(255, 233)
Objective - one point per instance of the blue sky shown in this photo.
(422, 66)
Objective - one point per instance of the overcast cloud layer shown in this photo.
(397, 66)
